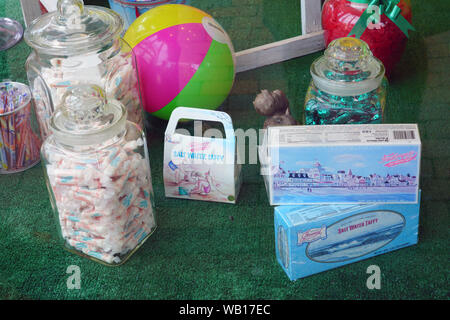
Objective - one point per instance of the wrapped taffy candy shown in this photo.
(78, 45)
(98, 174)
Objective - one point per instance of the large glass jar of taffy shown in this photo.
(98, 175)
(348, 85)
(79, 44)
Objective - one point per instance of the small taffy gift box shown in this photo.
(201, 167)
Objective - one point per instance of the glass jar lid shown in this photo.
(73, 28)
(347, 68)
(85, 118)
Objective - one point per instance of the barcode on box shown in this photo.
(404, 134)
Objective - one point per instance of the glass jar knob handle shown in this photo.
(84, 105)
(70, 11)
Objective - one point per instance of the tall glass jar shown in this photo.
(80, 44)
(348, 86)
(98, 175)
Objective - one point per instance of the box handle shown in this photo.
(200, 114)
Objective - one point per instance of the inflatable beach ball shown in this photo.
(184, 58)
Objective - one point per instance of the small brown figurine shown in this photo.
(275, 106)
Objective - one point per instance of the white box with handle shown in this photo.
(201, 167)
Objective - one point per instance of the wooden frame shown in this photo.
(30, 10)
(310, 41)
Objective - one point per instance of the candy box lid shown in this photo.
(377, 134)
(333, 135)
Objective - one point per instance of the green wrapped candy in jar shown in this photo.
(348, 85)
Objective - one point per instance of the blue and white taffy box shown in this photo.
(313, 238)
(343, 164)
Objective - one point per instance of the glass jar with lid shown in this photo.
(97, 172)
(348, 85)
(79, 44)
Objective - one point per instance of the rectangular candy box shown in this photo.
(201, 167)
(313, 238)
(342, 164)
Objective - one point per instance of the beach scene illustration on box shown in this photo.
(356, 236)
(196, 181)
(356, 174)
(201, 167)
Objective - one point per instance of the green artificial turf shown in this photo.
(204, 250)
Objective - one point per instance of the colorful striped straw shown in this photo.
(19, 145)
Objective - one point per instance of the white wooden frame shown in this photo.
(310, 41)
(31, 10)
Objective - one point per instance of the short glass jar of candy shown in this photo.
(98, 175)
(79, 44)
(348, 86)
